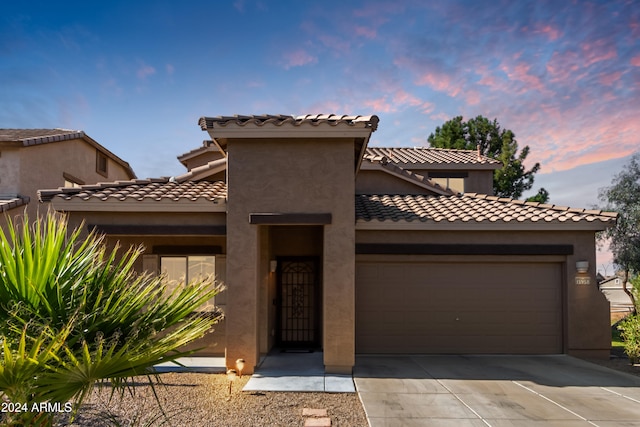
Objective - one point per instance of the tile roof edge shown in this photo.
(482, 159)
(209, 166)
(14, 202)
(207, 123)
(550, 206)
(207, 145)
(46, 195)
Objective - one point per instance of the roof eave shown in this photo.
(483, 226)
(63, 205)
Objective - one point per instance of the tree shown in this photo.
(509, 181)
(623, 197)
(73, 313)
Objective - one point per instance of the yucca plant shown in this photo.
(73, 313)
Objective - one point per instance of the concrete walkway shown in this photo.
(194, 364)
(297, 372)
(494, 391)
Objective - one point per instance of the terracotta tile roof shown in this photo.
(279, 120)
(468, 208)
(11, 202)
(38, 136)
(207, 145)
(141, 189)
(204, 171)
(431, 156)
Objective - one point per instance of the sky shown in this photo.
(564, 76)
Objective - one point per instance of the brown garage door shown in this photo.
(408, 307)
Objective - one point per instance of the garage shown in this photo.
(458, 307)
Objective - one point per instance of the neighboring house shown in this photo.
(612, 288)
(326, 244)
(31, 159)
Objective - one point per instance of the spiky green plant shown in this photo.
(73, 312)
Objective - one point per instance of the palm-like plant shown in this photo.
(73, 313)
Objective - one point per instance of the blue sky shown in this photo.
(136, 76)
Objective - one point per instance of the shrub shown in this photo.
(630, 332)
(73, 313)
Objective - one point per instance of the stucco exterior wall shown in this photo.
(477, 181)
(379, 182)
(585, 309)
(10, 171)
(212, 344)
(293, 178)
(42, 167)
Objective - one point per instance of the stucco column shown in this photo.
(339, 294)
(589, 334)
(242, 293)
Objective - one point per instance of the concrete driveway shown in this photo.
(494, 391)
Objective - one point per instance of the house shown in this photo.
(326, 243)
(620, 302)
(31, 159)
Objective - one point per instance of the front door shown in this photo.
(298, 303)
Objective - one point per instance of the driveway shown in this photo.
(494, 391)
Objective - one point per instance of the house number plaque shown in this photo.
(583, 280)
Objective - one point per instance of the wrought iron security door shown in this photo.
(298, 303)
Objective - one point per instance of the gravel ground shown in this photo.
(204, 400)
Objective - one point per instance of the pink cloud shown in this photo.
(336, 44)
(440, 117)
(548, 30)
(379, 105)
(472, 97)
(597, 51)
(490, 81)
(610, 78)
(551, 32)
(369, 33)
(635, 28)
(635, 61)
(403, 97)
(298, 58)
(145, 71)
(427, 107)
(565, 66)
(521, 73)
(438, 81)
(575, 137)
(170, 69)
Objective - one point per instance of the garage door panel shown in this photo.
(458, 308)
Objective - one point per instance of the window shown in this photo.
(186, 269)
(101, 163)
(451, 180)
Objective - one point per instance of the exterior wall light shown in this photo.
(231, 376)
(582, 273)
(273, 265)
(582, 266)
(240, 366)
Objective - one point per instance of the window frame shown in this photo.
(102, 158)
(210, 306)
